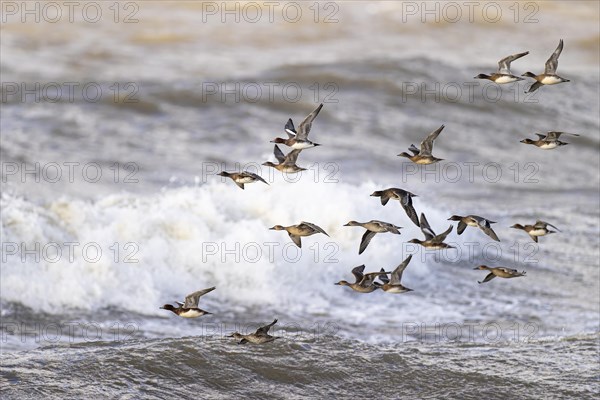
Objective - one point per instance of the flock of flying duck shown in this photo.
(298, 141)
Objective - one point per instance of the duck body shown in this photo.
(372, 228)
(476, 222)
(297, 231)
(500, 272)
(189, 308)
(504, 75)
(241, 178)
(540, 228)
(364, 283)
(259, 337)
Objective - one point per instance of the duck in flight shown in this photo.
(476, 222)
(298, 140)
(432, 241)
(363, 283)
(189, 308)
(373, 227)
(540, 228)
(297, 231)
(404, 197)
(504, 75)
(394, 285)
(240, 178)
(549, 140)
(549, 77)
(424, 156)
(500, 272)
(259, 337)
(287, 163)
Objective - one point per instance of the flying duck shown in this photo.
(549, 76)
(540, 228)
(504, 75)
(549, 140)
(240, 178)
(474, 221)
(500, 272)
(297, 231)
(432, 241)
(189, 309)
(424, 155)
(364, 283)
(373, 227)
(394, 285)
(298, 140)
(287, 163)
(259, 337)
(404, 197)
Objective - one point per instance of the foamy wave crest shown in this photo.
(184, 239)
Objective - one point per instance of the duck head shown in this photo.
(455, 218)
(484, 267)
(482, 76)
(277, 228)
(352, 223)
(529, 74)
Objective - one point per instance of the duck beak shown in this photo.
(317, 144)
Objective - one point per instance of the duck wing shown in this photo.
(366, 239)
(425, 228)
(440, 238)
(191, 300)
(358, 273)
(289, 129)
(427, 144)
(504, 64)
(396, 276)
(314, 227)
(263, 330)
(552, 63)
(304, 127)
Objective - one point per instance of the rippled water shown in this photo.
(167, 225)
